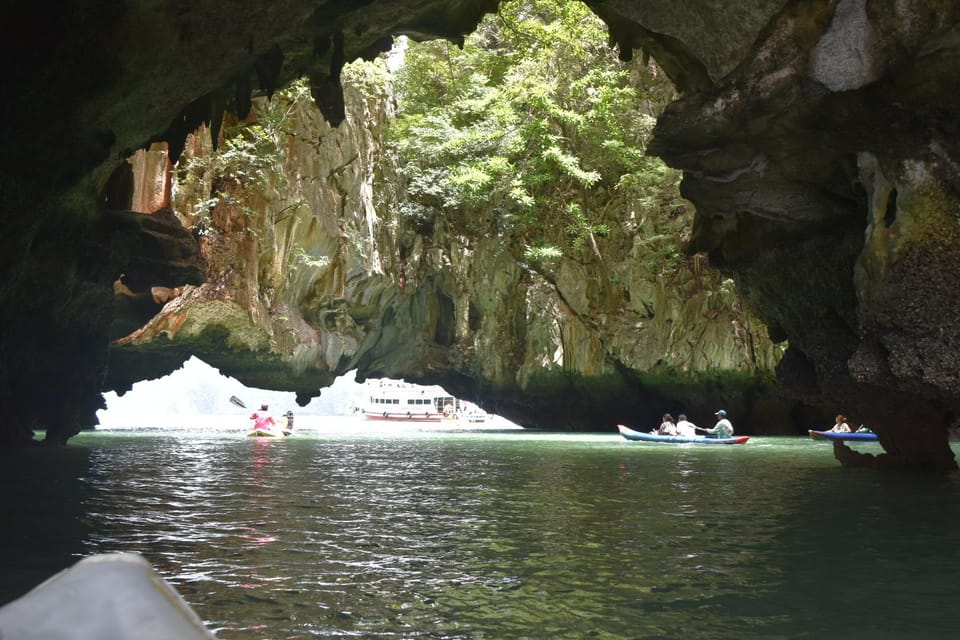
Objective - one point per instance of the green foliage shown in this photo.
(536, 121)
(569, 166)
(541, 253)
(250, 155)
(371, 78)
(580, 228)
(300, 256)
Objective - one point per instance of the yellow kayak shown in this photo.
(268, 433)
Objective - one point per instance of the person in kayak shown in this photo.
(723, 428)
(262, 420)
(841, 426)
(667, 427)
(685, 427)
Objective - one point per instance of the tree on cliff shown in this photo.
(535, 129)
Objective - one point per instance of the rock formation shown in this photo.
(823, 169)
(817, 140)
(311, 271)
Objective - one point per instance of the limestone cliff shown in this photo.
(312, 272)
(817, 140)
(823, 169)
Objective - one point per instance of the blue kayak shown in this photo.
(630, 434)
(862, 436)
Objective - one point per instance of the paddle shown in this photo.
(238, 402)
(706, 431)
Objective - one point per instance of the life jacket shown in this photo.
(263, 423)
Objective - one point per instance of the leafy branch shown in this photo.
(535, 121)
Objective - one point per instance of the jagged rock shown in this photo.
(818, 141)
(820, 168)
(336, 279)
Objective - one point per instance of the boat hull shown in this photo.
(103, 597)
(405, 417)
(264, 433)
(640, 436)
(839, 435)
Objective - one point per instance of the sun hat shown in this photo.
(720, 413)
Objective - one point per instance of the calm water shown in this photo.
(349, 533)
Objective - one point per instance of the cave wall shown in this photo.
(818, 141)
(823, 169)
(92, 84)
(314, 271)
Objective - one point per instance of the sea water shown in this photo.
(350, 531)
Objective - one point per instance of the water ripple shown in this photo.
(515, 536)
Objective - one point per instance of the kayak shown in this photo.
(630, 434)
(268, 433)
(111, 596)
(862, 436)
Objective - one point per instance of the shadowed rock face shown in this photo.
(92, 85)
(824, 172)
(818, 142)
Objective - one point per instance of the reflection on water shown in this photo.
(509, 535)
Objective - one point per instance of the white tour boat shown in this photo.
(396, 400)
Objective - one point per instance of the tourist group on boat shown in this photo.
(265, 425)
(683, 431)
(683, 427)
(399, 401)
(392, 400)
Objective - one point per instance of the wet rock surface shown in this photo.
(818, 142)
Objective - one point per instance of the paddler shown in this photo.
(262, 421)
(723, 428)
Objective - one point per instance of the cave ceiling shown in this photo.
(818, 140)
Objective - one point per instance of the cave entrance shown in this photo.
(475, 192)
